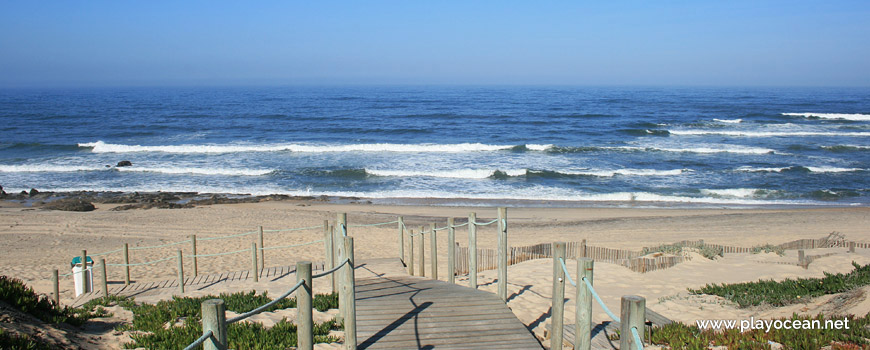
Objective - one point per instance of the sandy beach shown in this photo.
(36, 241)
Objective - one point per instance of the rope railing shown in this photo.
(294, 229)
(291, 245)
(155, 246)
(217, 254)
(331, 270)
(225, 237)
(266, 305)
(633, 307)
(600, 302)
(637, 341)
(378, 224)
(214, 322)
(199, 340)
(485, 223)
(143, 263)
(567, 274)
(107, 253)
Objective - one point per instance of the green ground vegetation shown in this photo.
(788, 291)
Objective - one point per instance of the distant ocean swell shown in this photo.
(656, 146)
(101, 147)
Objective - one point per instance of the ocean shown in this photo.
(548, 146)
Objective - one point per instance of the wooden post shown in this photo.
(254, 266)
(433, 247)
(341, 226)
(558, 308)
(583, 314)
(582, 252)
(193, 254)
(126, 264)
(421, 251)
(633, 315)
(851, 247)
(214, 319)
(105, 280)
(305, 320)
(502, 253)
(472, 251)
(86, 287)
(330, 261)
(451, 252)
(261, 245)
(180, 273)
(335, 248)
(56, 284)
(411, 252)
(349, 288)
(402, 239)
(802, 259)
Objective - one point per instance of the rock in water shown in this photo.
(70, 205)
(124, 163)
(33, 192)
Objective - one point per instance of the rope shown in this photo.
(594, 294)
(331, 270)
(460, 225)
(144, 263)
(223, 237)
(216, 254)
(160, 246)
(485, 224)
(442, 229)
(109, 252)
(567, 274)
(343, 230)
(294, 229)
(380, 224)
(291, 246)
(637, 342)
(266, 305)
(199, 341)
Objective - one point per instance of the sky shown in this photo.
(685, 43)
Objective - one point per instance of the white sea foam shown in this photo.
(535, 147)
(730, 149)
(102, 147)
(732, 192)
(454, 174)
(810, 168)
(832, 169)
(627, 172)
(199, 171)
(765, 133)
(842, 116)
(48, 168)
(729, 121)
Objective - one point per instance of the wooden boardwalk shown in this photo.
(403, 312)
(394, 310)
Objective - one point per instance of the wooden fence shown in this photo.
(633, 260)
(486, 258)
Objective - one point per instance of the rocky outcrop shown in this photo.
(124, 163)
(70, 204)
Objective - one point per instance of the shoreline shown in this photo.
(182, 199)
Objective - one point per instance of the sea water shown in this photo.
(652, 146)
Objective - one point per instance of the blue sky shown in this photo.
(743, 43)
